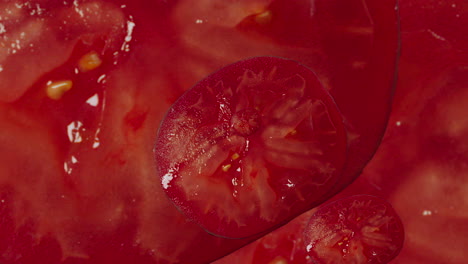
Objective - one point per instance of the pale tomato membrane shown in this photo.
(251, 146)
(355, 229)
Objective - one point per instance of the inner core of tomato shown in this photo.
(251, 146)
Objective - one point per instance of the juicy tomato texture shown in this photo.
(85, 85)
(355, 229)
(251, 144)
(420, 167)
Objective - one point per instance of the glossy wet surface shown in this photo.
(251, 146)
(421, 166)
(77, 174)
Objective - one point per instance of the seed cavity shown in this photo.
(246, 122)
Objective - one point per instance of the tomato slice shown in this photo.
(355, 229)
(251, 146)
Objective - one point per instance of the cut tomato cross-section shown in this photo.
(356, 229)
(251, 146)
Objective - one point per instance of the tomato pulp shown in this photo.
(355, 229)
(84, 86)
(421, 165)
(250, 145)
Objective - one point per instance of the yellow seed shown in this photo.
(293, 132)
(340, 243)
(89, 61)
(235, 156)
(278, 260)
(55, 90)
(226, 167)
(264, 17)
(345, 239)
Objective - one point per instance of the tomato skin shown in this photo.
(355, 229)
(262, 131)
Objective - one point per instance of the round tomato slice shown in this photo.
(355, 229)
(251, 146)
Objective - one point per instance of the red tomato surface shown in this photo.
(78, 182)
(251, 146)
(421, 165)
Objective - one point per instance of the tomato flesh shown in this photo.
(355, 229)
(250, 146)
(77, 174)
